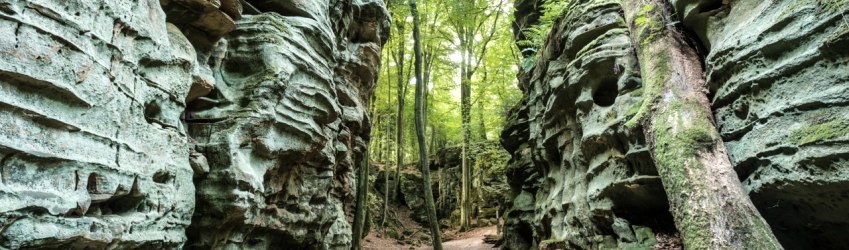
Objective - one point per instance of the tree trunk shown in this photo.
(465, 169)
(481, 121)
(377, 143)
(436, 236)
(388, 151)
(706, 199)
(362, 191)
(399, 117)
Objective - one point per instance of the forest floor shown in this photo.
(413, 236)
(470, 240)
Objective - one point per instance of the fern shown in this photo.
(535, 34)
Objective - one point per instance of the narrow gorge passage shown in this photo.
(382, 124)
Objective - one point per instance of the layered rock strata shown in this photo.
(285, 126)
(113, 124)
(94, 153)
(578, 175)
(776, 73)
(779, 74)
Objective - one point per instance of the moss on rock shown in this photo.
(831, 129)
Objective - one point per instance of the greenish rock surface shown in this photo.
(132, 124)
(777, 73)
(285, 127)
(579, 176)
(93, 153)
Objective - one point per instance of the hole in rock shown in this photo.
(605, 94)
(742, 111)
(93, 182)
(121, 201)
(162, 176)
(151, 111)
(525, 231)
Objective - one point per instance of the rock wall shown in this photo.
(779, 72)
(578, 175)
(777, 75)
(489, 183)
(117, 117)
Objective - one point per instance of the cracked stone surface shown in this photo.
(93, 150)
(777, 75)
(286, 125)
(117, 116)
(578, 175)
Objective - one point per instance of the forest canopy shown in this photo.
(475, 33)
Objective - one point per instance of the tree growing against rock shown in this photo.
(706, 198)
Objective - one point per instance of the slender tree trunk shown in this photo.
(706, 199)
(377, 143)
(465, 178)
(436, 236)
(432, 135)
(399, 117)
(362, 191)
(388, 151)
(481, 121)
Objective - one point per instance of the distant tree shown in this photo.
(474, 23)
(436, 236)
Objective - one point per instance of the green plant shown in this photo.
(536, 34)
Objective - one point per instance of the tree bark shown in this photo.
(399, 117)
(706, 199)
(465, 169)
(362, 191)
(481, 122)
(388, 151)
(468, 27)
(436, 236)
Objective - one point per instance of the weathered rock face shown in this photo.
(577, 174)
(285, 126)
(488, 181)
(779, 71)
(94, 151)
(775, 70)
(489, 186)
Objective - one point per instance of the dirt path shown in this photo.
(472, 240)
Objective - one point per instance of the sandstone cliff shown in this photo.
(777, 72)
(125, 123)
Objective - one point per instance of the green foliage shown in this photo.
(536, 34)
(832, 6)
(493, 85)
(490, 157)
(648, 24)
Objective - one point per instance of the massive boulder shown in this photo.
(776, 72)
